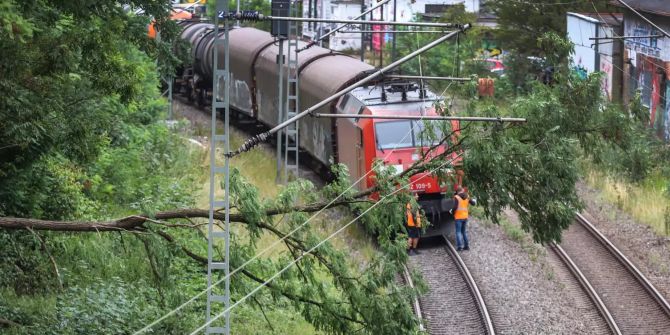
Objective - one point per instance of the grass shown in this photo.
(258, 166)
(645, 202)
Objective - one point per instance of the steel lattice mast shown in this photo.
(218, 298)
(292, 132)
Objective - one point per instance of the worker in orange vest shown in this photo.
(413, 223)
(461, 203)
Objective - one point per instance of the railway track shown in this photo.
(416, 306)
(627, 301)
(586, 298)
(454, 304)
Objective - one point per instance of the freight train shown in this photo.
(356, 143)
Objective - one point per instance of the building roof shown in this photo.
(610, 19)
(658, 7)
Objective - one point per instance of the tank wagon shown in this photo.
(323, 72)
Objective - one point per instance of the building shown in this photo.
(594, 52)
(405, 11)
(646, 54)
(633, 55)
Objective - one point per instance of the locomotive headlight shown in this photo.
(398, 168)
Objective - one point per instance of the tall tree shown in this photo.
(521, 23)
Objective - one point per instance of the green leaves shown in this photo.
(531, 168)
(111, 305)
(12, 24)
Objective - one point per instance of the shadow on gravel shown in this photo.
(431, 242)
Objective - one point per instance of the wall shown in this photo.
(590, 56)
(655, 47)
(648, 69)
(580, 29)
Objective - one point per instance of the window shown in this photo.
(422, 135)
(394, 134)
(406, 134)
(343, 101)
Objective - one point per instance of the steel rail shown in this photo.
(255, 140)
(474, 289)
(415, 304)
(419, 117)
(648, 286)
(588, 288)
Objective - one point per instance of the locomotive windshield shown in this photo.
(405, 134)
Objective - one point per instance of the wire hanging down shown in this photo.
(287, 235)
(308, 252)
(255, 140)
(275, 243)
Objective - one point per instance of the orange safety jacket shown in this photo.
(462, 209)
(410, 218)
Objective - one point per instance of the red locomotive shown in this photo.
(322, 72)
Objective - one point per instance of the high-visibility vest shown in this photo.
(462, 209)
(410, 218)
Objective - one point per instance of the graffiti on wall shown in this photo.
(658, 47)
(606, 67)
(663, 123)
(648, 45)
(652, 80)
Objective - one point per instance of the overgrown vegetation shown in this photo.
(568, 119)
(81, 139)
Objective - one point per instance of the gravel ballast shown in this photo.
(648, 251)
(524, 296)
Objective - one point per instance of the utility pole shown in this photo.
(381, 38)
(280, 31)
(292, 142)
(395, 13)
(363, 7)
(257, 139)
(280, 106)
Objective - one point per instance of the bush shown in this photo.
(107, 307)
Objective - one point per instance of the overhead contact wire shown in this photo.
(277, 274)
(180, 307)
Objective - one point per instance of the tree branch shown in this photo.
(9, 323)
(260, 306)
(202, 260)
(53, 261)
(136, 222)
